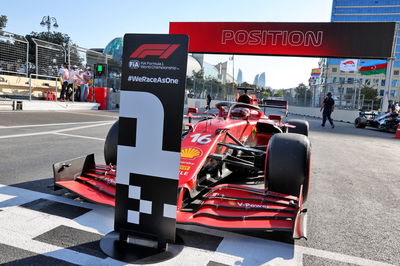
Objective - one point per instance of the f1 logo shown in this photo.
(163, 51)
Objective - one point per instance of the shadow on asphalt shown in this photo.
(41, 185)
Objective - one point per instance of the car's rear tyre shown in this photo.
(302, 126)
(110, 145)
(287, 164)
(360, 122)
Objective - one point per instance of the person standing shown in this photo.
(87, 77)
(328, 105)
(397, 107)
(391, 107)
(73, 79)
(208, 107)
(64, 73)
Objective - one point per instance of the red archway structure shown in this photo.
(338, 40)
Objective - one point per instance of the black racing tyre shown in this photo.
(302, 126)
(110, 145)
(288, 164)
(360, 122)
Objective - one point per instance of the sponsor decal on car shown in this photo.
(184, 167)
(186, 162)
(251, 205)
(191, 153)
(232, 203)
(183, 173)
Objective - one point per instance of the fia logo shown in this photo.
(134, 64)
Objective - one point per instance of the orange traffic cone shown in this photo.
(397, 136)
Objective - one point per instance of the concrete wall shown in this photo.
(338, 115)
(200, 103)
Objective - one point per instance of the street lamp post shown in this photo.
(47, 20)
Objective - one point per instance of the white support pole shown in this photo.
(388, 83)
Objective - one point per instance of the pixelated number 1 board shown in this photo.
(149, 139)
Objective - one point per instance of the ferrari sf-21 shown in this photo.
(240, 169)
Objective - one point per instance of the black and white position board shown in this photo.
(149, 140)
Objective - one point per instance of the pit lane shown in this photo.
(353, 203)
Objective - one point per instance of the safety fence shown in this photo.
(199, 89)
(352, 99)
(82, 57)
(30, 69)
(13, 54)
(48, 57)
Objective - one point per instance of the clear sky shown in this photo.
(92, 24)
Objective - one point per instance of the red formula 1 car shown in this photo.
(240, 170)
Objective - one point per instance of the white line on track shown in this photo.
(19, 226)
(53, 131)
(113, 116)
(56, 124)
(78, 136)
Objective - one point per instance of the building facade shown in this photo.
(346, 85)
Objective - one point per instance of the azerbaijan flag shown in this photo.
(374, 67)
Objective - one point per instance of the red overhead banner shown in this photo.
(342, 40)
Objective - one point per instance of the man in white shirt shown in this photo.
(64, 73)
(73, 77)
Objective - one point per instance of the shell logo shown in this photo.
(232, 203)
(190, 153)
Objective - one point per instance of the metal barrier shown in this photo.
(14, 53)
(49, 57)
(12, 72)
(43, 76)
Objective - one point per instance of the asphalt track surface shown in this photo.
(353, 204)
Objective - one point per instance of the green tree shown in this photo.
(267, 92)
(3, 21)
(279, 93)
(303, 94)
(53, 37)
(244, 84)
(198, 74)
(370, 93)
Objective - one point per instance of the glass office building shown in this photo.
(363, 11)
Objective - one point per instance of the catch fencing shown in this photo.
(49, 57)
(199, 89)
(83, 57)
(351, 99)
(13, 54)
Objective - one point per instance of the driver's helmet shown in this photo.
(240, 112)
(244, 98)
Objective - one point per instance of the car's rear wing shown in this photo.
(279, 104)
